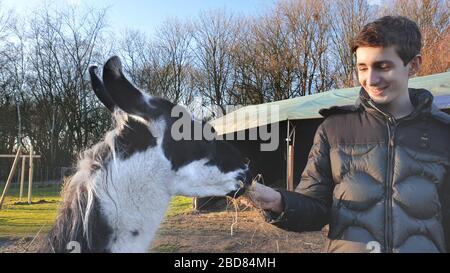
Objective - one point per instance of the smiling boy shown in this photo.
(378, 171)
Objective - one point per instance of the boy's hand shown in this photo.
(265, 197)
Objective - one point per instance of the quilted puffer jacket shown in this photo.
(381, 184)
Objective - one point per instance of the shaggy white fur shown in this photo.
(134, 193)
(116, 202)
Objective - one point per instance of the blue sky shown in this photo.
(147, 15)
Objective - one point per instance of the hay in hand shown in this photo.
(248, 193)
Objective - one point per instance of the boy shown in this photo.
(378, 172)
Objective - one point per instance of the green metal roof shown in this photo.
(307, 107)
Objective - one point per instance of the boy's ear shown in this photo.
(414, 65)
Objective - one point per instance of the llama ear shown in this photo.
(99, 89)
(122, 92)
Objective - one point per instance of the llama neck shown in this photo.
(134, 231)
(135, 202)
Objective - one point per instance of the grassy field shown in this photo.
(183, 230)
(18, 219)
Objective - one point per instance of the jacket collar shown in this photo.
(421, 99)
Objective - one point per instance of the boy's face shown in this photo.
(382, 74)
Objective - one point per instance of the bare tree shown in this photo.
(214, 35)
(276, 55)
(308, 26)
(8, 94)
(15, 70)
(161, 66)
(436, 57)
(7, 22)
(284, 53)
(136, 51)
(347, 17)
(174, 42)
(61, 49)
(249, 71)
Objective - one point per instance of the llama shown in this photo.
(123, 185)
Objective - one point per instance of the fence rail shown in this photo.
(43, 174)
(12, 156)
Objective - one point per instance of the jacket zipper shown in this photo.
(391, 124)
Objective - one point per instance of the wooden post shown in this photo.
(30, 176)
(10, 177)
(289, 157)
(22, 178)
(290, 173)
(290, 142)
(287, 154)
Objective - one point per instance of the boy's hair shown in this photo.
(397, 31)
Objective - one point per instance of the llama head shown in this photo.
(199, 167)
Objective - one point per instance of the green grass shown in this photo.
(38, 191)
(21, 219)
(17, 218)
(179, 205)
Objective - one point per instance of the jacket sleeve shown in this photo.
(445, 201)
(308, 207)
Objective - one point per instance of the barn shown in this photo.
(295, 124)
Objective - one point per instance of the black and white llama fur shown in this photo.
(118, 197)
